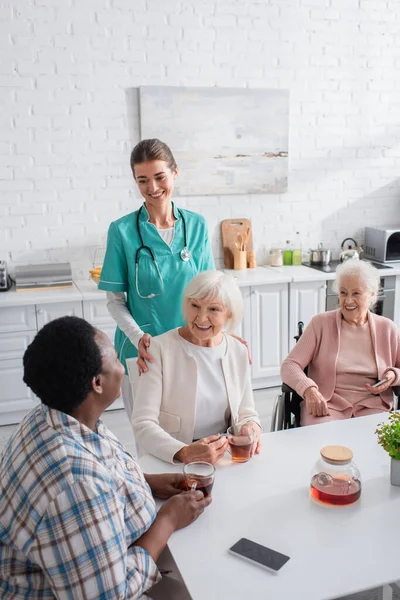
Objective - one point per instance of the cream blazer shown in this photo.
(165, 397)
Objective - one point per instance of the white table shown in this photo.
(334, 550)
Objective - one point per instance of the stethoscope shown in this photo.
(185, 253)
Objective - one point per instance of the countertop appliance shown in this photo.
(385, 302)
(5, 279)
(382, 243)
(43, 276)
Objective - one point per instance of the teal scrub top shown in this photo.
(164, 311)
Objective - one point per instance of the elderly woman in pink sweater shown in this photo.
(346, 351)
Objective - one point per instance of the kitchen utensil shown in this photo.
(230, 228)
(320, 256)
(350, 252)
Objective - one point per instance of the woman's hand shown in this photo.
(183, 509)
(166, 485)
(176, 512)
(143, 355)
(256, 429)
(390, 377)
(316, 403)
(242, 341)
(209, 449)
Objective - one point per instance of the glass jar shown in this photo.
(335, 478)
(276, 257)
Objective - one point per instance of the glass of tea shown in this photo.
(240, 444)
(335, 478)
(199, 476)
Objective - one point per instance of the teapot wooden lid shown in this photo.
(336, 454)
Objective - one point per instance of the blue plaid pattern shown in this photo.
(72, 504)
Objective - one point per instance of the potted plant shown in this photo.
(389, 438)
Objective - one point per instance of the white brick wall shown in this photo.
(69, 117)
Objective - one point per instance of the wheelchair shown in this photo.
(286, 409)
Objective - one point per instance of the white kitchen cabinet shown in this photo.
(17, 318)
(96, 312)
(48, 312)
(269, 332)
(13, 345)
(306, 299)
(16, 399)
(18, 327)
(244, 328)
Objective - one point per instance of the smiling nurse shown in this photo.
(151, 255)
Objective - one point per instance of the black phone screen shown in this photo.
(271, 559)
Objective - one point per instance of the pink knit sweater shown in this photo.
(318, 348)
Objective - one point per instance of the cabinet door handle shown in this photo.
(40, 311)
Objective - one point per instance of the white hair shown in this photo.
(220, 287)
(367, 273)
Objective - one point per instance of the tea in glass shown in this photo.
(335, 478)
(199, 476)
(240, 444)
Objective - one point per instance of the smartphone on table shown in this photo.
(260, 555)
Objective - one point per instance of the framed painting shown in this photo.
(225, 141)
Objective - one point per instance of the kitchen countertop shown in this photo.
(299, 273)
(259, 276)
(87, 289)
(28, 297)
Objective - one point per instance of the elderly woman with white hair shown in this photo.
(199, 381)
(346, 351)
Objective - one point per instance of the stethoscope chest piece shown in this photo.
(186, 254)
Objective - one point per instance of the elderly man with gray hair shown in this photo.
(346, 351)
(199, 382)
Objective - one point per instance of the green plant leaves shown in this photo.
(389, 435)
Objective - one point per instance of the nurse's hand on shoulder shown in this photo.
(242, 341)
(143, 355)
(209, 449)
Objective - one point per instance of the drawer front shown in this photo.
(13, 345)
(49, 312)
(15, 396)
(17, 318)
(96, 312)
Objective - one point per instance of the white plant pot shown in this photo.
(395, 471)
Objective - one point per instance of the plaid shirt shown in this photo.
(72, 503)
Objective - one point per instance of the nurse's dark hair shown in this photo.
(61, 361)
(152, 149)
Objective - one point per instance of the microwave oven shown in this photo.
(382, 244)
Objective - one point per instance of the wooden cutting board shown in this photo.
(230, 229)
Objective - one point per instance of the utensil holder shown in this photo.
(239, 259)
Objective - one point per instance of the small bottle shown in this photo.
(297, 254)
(251, 257)
(287, 253)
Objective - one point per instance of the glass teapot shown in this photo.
(335, 479)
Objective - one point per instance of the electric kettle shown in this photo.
(350, 251)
